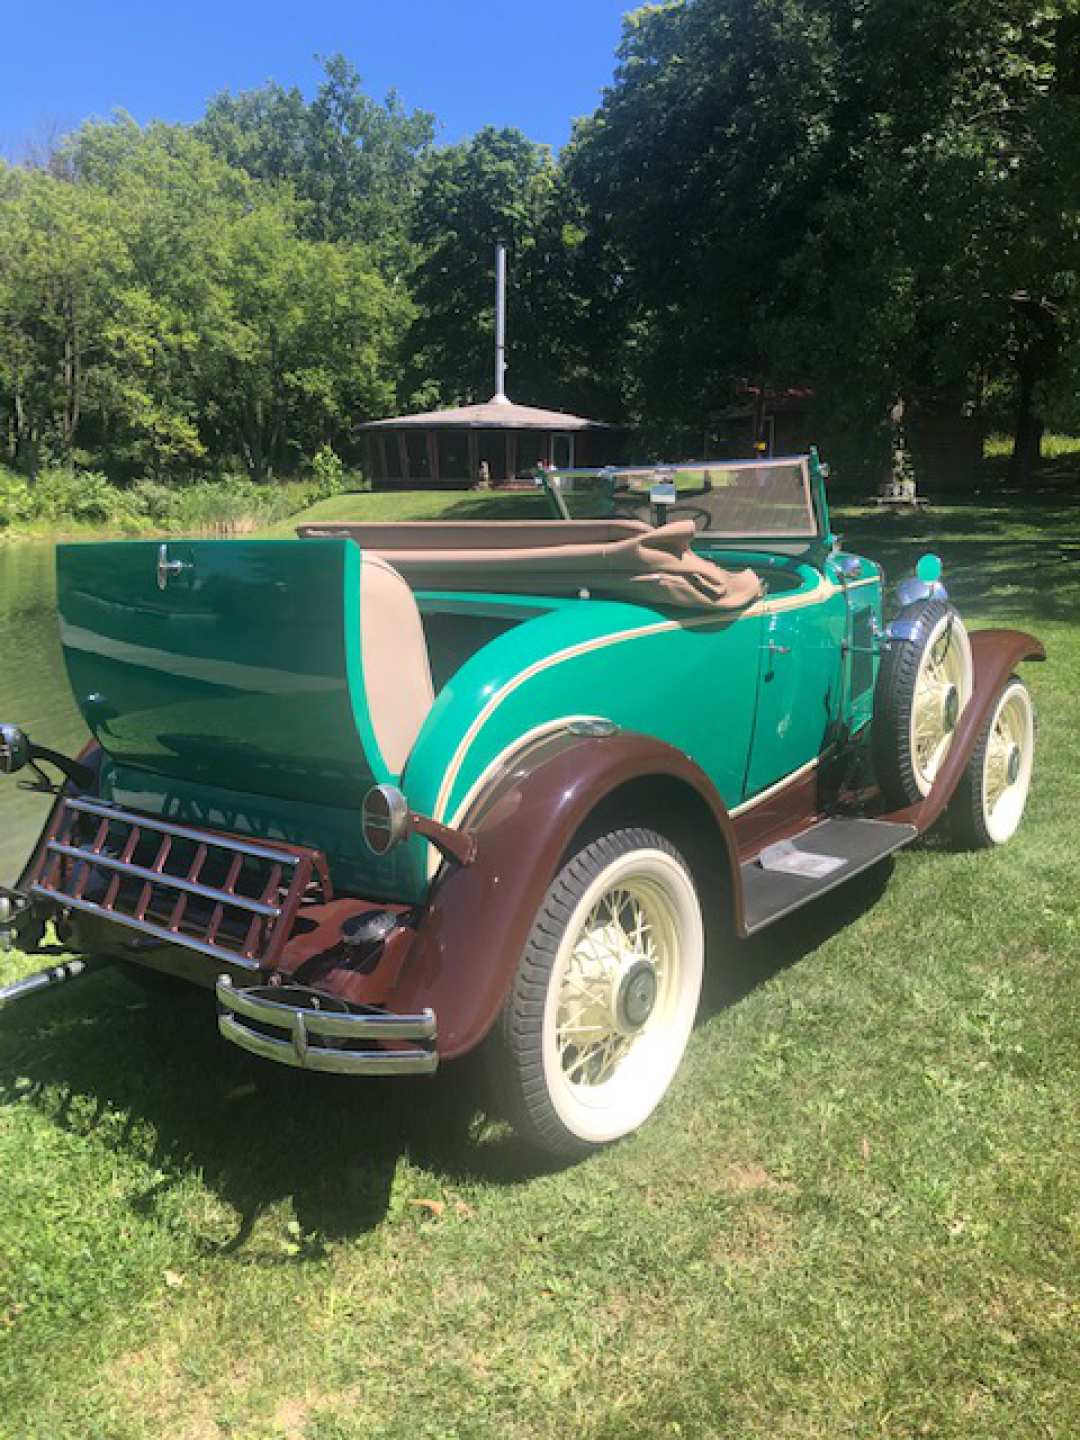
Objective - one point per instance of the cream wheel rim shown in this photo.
(623, 993)
(942, 690)
(1007, 764)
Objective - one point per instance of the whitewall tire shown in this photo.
(605, 995)
(992, 795)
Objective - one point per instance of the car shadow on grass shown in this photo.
(149, 1075)
(738, 967)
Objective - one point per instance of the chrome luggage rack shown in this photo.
(223, 896)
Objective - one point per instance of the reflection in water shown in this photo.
(33, 688)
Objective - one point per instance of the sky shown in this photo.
(472, 62)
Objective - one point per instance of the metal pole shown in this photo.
(500, 321)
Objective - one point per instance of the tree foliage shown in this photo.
(352, 161)
(865, 197)
(493, 187)
(162, 307)
(870, 196)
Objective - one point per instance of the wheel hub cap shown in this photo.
(635, 996)
(950, 707)
(1012, 765)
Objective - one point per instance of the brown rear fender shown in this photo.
(479, 917)
(995, 654)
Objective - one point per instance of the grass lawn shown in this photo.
(856, 1215)
(420, 505)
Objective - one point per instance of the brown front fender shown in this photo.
(995, 654)
(475, 927)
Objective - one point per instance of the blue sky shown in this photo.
(472, 62)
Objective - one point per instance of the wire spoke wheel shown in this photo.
(622, 961)
(942, 689)
(924, 685)
(616, 956)
(993, 794)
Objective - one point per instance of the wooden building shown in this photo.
(497, 441)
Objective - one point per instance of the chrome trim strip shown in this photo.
(330, 1062)
(165, 880)
(497, 763)
(823, 591)
(778, 785)
(284, 856)
(146, 927)
(354, 1026)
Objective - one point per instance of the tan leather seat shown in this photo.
(394, 658)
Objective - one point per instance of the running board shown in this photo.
(790, 874)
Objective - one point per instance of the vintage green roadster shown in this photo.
(400, 791)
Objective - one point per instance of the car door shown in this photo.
(799, 683)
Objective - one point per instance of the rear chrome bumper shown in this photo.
(297, 1026)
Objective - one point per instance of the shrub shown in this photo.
(15, 500)
(84, 497)
(329, 472)
(73, 495)
(156, 502)
(230, 506)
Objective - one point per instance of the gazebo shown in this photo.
(453, 447)
(496, 442)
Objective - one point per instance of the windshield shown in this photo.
(730, 500)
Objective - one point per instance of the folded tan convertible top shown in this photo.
(622, 558)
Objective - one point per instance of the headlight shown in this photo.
(14, 749)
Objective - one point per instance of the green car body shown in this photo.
(287, 743)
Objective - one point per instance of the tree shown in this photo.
(304, 343)
(786, 208)
(493, 187)
(696, 172)
(61, 261)
(164, 309)
(173, 201)
(352, 161)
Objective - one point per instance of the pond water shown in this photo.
(33, 688)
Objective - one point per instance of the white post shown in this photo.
(500, 322)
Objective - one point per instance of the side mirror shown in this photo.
(14, 749)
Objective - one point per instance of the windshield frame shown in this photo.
(554, 483)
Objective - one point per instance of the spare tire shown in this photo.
(924, 683)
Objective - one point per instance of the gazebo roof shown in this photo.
(498, 413)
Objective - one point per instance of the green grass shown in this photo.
(419, 505)
(856, 1215)
(1054, 447)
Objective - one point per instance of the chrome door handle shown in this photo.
(774, 649)
(167, 569)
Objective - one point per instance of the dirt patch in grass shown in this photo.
(743, 1176)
